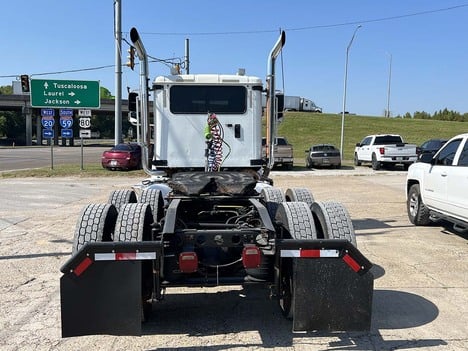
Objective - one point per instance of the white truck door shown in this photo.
(364, 151)
(437, 179)
(457, 184)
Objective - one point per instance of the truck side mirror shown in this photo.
(280, 104)
(426, 158)
(358, 144)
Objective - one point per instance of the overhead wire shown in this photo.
(382, 19)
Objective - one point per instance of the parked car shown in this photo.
(123, 156)
(384, 150)
(283, 152)
(323, 155)
(430, 146)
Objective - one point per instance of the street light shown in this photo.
(387, 114)
(344, 92)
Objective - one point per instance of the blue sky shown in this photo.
(426, 39)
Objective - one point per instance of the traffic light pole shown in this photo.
(118, 72)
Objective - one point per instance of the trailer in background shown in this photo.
(295, 103)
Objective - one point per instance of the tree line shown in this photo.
(441, 115)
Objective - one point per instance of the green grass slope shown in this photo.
(303, 129)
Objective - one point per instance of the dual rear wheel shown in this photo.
(303, 218)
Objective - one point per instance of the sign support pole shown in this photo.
(82, 168)
(51, 153)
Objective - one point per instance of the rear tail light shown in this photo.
(382, 150)
(188, 262)
(251, 256)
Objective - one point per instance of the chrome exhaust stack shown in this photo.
(144, 98)
(271, 104)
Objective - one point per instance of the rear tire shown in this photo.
(120, 197)
(272, 196)
(418, 213)
(299, 195)
(298, 223)
(375, 164)
(96, 223)
(356, 160)
(333, 221)
(154, 198)
(134, 224)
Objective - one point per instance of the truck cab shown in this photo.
(183, 105)
(436, 185)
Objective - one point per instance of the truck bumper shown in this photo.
(399, 159)
(101, 296)
(333, 287)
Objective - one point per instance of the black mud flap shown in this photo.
(333, 286)
(101, 289)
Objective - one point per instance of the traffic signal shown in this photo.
(25, 83)
(132, 101)
(131, 57)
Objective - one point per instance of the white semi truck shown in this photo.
(209, 215)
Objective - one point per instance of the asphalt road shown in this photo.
(420, 289)
(44, 156)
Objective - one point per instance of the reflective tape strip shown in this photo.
(82, 266)
(352, 263)
(310, 253)
(124, 256)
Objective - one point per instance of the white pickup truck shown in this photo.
(384, 149)
(437, 186)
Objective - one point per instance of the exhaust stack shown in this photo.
(144, 98)
(271, 104)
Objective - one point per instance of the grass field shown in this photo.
(303, 129)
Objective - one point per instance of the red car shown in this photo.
(124, 156)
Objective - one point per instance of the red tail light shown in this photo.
(188, 262)
(251, 256)
(382, 150)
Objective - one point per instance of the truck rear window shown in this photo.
(387, 139)
(196, 99)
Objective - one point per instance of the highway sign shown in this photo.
(66, 122)
(47, 112)
(85, 133)
(47, 133)
(65, 93)
(85, 122)
(66, 112)
(47, 122)
(84, 113)
(67, 133)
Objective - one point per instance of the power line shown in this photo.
(164, 61)
(171, 60)
(390, 18)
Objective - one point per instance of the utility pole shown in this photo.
(387, 114)
(187, 56)
(118, 70)
(344, 92)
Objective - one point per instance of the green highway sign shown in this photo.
(65, 93)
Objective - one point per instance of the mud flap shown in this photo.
(101, 289)
(328, 295)
(334, 292)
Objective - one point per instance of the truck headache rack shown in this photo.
(100, 295)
